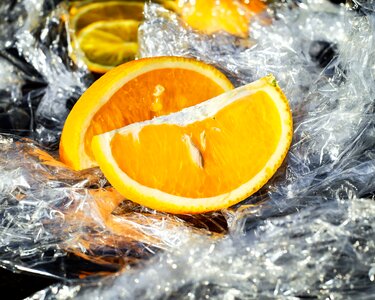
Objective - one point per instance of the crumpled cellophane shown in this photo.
(40, 82)
(308, 233)
(63, 223)
(55, 221)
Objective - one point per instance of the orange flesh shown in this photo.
(215, 15)
(212, 16)
(200, 155)
(151, 94)
(256, 6)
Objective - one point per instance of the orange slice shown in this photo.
(203, 158)
(136, 91)
(106, 44)
(86, 14)
(104, 34)
(211, 16)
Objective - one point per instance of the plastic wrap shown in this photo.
(58, 222)
(323, 252)
(308, 233)
(42, 82)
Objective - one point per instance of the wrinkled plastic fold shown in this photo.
(307, 233)
(41, 82)
(52, 216)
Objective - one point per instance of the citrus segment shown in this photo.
(136, 91)
(203, 158)
(200, 150)
(82, 16)
(106, 32)
(106, 44)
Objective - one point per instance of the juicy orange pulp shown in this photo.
(203, 158)
(217, 155)
(136, 91)
(157, 93)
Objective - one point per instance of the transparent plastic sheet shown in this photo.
(306, 233)
(325, 251)
(57, 222)
(309, 232)
(45, 82)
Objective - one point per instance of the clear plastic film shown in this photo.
(40, 82)
(58, 222)
(307, 233)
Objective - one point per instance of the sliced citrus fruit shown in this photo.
(106, 32)
(136, 91)
(203, 158)
(84, 15)
(212, 16)
(106, 44)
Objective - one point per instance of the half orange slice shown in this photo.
(136, 91)
(203, 158)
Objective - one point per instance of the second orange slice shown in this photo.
(133, 92)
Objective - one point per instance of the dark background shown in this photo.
(19, 286)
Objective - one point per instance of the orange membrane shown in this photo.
(157, 93)
(200, 155)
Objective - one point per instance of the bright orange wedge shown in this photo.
(203, 158)
(136, 91)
